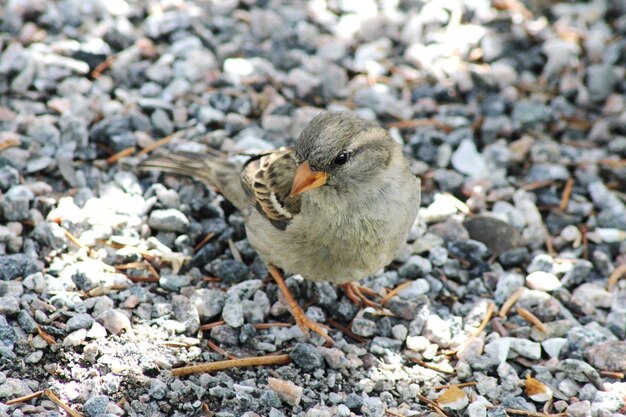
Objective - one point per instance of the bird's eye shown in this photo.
(342, 157)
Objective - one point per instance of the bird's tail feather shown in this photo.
(212, 170)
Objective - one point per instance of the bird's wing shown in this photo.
(267, 180)
(212, 170)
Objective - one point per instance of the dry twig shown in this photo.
(219, 350)
(612, 374)
(431, 366)
(121, 154)
(232, 363)
(157, 144)
(209, 326)
(567, 193)
(531, 318)
(203, 242)
(52, 397)
(9, 143)
(485, 321)
(617, 273)
(504, 310)
(460, 385)
(24, 398)
(393, 292)
(433, 405)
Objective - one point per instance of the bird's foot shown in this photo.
(357, 294)
(304, 323)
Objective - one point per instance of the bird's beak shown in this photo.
(306, 180)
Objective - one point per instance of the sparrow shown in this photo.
(338, 206)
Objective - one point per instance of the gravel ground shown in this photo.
(514, 116)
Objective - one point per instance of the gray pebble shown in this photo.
(307, 357)
(168, 220)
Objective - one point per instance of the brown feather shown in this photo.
(267, 180)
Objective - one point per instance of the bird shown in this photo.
(337, 206)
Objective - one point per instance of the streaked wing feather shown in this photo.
(267, 180)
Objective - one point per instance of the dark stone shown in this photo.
(230, 271)
(13, 266)
(354, 402)
(513, 257)
(471, 250)
(307, 357)
(497, 235)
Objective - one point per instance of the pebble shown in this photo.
(209, 303)
(610, 356)
(467, 160)
(307, 357)
(114, 321)
(554, 346)
(168, 220)
(287, 391)
(542, 281)
(579, 409)
(415, 267)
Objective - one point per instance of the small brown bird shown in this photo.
(336, 207)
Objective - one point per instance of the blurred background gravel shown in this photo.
(513, 113)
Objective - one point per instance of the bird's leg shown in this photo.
(355, 293)
(304, 323)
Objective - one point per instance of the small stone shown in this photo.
(34, 357)
(610, 356)
(158, 389)
(79, 321)
(270, 399)
(417, 343)
(471, 250)
(601, 80)
(438, 331)
(173, 282)
(115, 321)
(528, 113)
(16, 203)
(591, 295)
(8, 338)
(383, 345)
(96, 405)
(513, 257)
(364, 327)
(225, 335)
(288, 392)
(97, 331)
(467, 160)
(526, 348)
(542, 281)
(9, 306)
(499, 349)
(307, 357)
(209, 303)
(415, 267)
(13, 388)
(579, 409)
(75, 338)
(354, 402)
(553, 347)
(508, 283)
(334, 357)
(231, 271)
(168, 220)
(373, 407)
(580, 371)
(13, 266)
(186, 313)
(399, 331)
